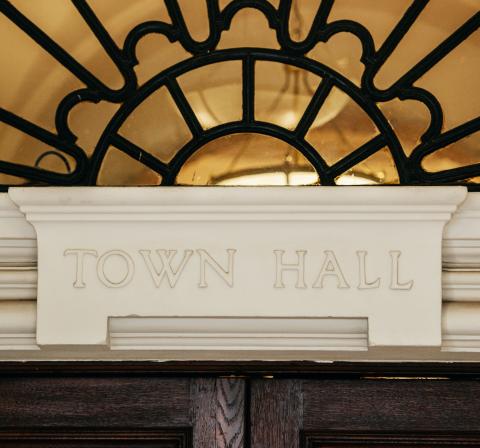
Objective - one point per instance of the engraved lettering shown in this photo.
(166, 271)
(79, 264)
(129, 269)
(395, 268)
(363, 283)
(225, 274)
(331, 268)
(299, 267)
(116, 268)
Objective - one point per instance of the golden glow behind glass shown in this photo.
(33, 83)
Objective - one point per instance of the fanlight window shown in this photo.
(240, 92)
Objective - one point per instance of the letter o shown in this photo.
(130, 269)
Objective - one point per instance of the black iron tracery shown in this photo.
(203, 53)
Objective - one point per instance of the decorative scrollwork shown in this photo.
(290, 52)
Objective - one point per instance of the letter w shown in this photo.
(167, 270)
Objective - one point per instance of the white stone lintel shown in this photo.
(238, 203)
(242, 254)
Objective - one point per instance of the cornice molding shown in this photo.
(165, 339)
(152, 338)
(461, 243)
(239, 203)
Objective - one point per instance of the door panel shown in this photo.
(391, 405)
(94, 401)
(149, 409)
(378, 440)
(141, 411)
(159, 438)
(365, 413)
(276, 413)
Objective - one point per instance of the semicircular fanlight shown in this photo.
(287, 92)
(247, 159)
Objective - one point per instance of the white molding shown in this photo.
(18, 240)
(462, 253)
(18, 283)
(461, 286)
(338, 198)
(461, 327)
(18, 253)
(18, 325)
(167, 338)
(126, 223)
(464, 225)
(132, 338)
(238, 334)
(461, 243)
(13, 224)
(237, 204)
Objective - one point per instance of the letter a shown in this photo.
(331, 267)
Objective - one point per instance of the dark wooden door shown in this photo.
(147, 406)
(365, 412)
(141, 411)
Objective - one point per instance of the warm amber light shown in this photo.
(33, 84)
(247, 159)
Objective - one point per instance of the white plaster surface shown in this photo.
(340, 240)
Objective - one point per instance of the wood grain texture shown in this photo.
(218, 412)
(137, 399)
(387, 440)
(230, 415)
(203, 411)
(276, 413)
(392, 405)
(78, 438)
(257, 369)
(94, 401)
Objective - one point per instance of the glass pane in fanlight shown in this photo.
(282, 93)
(88, 121)
(247, 159)
(26, 150)
(33, 84)
(379, 17)
(377, 169)
(342, 54)
(196, 18)
(214, 92)
(340, 127)
(121, 16)
(462, 153)
(147, 51)
(76, 38)
(302, 13)
(409, 120)
(7, 180)
(436, 23)
(249, 28)
(120, 169)
(455, 82)
(157, 126)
